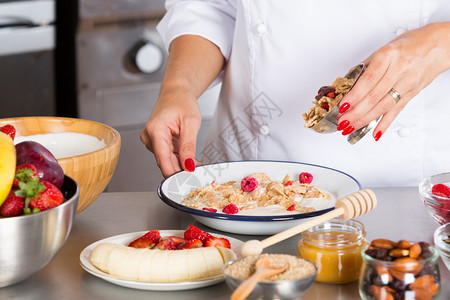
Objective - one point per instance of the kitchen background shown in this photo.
(100, 60)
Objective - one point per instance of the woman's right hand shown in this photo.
(171, 132)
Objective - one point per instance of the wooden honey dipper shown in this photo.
(346, 208)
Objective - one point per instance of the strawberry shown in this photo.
(165, 243)
(40, 195)
(194, 243)
(196, 233)
(215, 242)
(177, 240)
(148, 240)
(13, 205)
(24, 173)
(9, 130)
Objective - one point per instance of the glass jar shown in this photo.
(335, 246)
(401, 279)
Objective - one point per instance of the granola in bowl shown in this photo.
(254, 192)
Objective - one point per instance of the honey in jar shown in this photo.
(335, 247)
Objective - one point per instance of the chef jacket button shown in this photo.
(400, 31)
(261, 28)
(264, 129)
(403, 132)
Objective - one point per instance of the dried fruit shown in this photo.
(230, 209)
(213, 210)
(305, 178)
(291, 208)
(324, 91)
(248, 184)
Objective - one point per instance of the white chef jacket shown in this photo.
(279, 53)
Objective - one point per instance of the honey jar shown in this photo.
(335, 246)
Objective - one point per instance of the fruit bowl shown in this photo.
(29, 242)
(437, 203)
(93, 170)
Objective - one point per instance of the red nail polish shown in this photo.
(189, 164)
(344, 107)
(342, 125)
(378, 135)
(348, 130)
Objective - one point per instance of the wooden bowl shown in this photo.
(93, 170)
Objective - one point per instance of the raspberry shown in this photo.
(213, 210)
(325, 106)
(441, 190)
(248, 184)
(230, 209)
(291, 208)
(305, 178)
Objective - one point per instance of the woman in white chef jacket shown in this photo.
(272, 56)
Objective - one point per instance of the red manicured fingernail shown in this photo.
(378, 135)
(189, 164)
(348, 130)
(344, 107)
(342, 125)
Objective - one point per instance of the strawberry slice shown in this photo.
(196, 233)
(215, 242)
(194, 243)
(148, 240)
(177, 240)
(9, 130)
(166, 243)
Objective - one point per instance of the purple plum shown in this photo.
(30, 152)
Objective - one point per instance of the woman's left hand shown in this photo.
(406, 65)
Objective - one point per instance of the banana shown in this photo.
(156, 265)
(7, 165)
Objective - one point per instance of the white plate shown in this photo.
(338, 184)
(125, 239)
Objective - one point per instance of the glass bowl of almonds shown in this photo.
(399, 270)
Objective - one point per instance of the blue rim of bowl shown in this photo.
(247, 218)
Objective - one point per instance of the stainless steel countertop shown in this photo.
(399, 215)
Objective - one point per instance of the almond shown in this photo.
(422, 282)
(408, 265)
(403, 244)
(398, 252)
(415, 251)
(421, 294)
(384, 243)
(380, 293)
(383, 273)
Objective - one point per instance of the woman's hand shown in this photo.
(171, 132)
(407, 65)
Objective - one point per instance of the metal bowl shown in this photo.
(29, 242)
(282, 289)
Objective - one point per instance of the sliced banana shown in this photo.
(147, 265)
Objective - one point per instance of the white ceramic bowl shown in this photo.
(176, 187)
